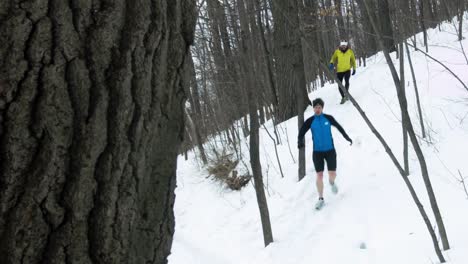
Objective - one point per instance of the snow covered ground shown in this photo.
(373, 219)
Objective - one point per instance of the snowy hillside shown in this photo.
(372, 220)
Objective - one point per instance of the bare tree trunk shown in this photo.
(276, 151)
(432, 16)
(343, 33)
(371, 44)
(421, 121)
(359, 48)
(92, 123)
(448, 16)
(385, 24)
(460, 12)
(245, 127)
(329, 28)
(312, 40)
(266, 55)
(423, 23)
(290, 66)
(299, 70)
(414, 19)
(258, 67)
(402, 88)
(246, 47)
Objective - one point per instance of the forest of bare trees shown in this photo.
(272, 53)
(290, 39)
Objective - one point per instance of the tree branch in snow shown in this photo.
(276, 150)
(443, 65)
(462, 181)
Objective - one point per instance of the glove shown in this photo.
(300, 144)
(351, 142)
(331, 67)
(354, 71)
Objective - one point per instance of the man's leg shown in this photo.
(330, 157)
(319, 183)
(340, 76)
(319, 164)
(346, 77)
(331, 177)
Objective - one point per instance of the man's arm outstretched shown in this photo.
(339, 127)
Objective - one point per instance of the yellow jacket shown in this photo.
(343, 61)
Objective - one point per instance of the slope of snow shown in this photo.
(373, 218)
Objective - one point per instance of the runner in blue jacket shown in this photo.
(324, 149)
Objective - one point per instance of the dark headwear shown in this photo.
(318, 101)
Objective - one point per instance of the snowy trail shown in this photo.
(373, 218)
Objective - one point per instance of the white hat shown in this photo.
(343, 43)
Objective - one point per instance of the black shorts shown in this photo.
(320, 157)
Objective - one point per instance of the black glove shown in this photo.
(351, 142)
(354, 71)
(300, 144)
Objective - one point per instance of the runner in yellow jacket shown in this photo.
(343, 59)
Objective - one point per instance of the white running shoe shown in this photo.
(334, 188)
(319, 204)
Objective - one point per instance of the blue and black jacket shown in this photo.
(320, 127)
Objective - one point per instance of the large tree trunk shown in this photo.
(310, 21)
(386, 26)
(343, 31)
(289, 62)
(329, 29)
(92, 118)
(370, 42)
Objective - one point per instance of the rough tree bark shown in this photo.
(92, 118)
(289, 63)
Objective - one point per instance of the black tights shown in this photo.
(346, 76)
